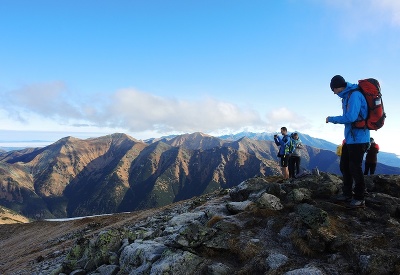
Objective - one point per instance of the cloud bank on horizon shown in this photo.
(275, 93)
(140, 111)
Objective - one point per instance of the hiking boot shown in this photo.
(357, 203)
(343, 198)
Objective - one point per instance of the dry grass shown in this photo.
(263, 213)
(301, 245)
(8, 216)
(245, 251)
(214, 220)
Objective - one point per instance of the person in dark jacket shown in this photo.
(354, 108)
(371, 158)
(283, 153)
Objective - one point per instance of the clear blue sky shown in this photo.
(153, 68)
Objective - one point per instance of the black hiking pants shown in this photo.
(369, 167)
(351, 168)
(294, 166)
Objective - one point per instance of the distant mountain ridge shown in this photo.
(386, 158)
(306, 139)
(117, 173)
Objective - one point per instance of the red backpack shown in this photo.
(371, 90)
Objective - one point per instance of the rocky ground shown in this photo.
(259, 227)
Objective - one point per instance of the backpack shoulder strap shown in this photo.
(360, 117)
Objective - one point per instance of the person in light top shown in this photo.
(295, 159)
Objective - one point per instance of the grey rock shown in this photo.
(299, 195)
(242, 191)
(177, 262)
(187, 218)
(305, 271)
(219, 269)
(276, 260)
(192, 235)
(269, 201)
(140, 255)
(313, 216)
(108, 269)
(237, 207)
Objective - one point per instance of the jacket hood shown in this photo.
(348, 88)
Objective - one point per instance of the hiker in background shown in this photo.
(354, 105)
(283, 153)
(371, 158)
(294, 157)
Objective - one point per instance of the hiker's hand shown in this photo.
(326, 120)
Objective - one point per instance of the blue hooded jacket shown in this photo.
(283, 143)
(354, 108)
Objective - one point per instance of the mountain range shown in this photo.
(117, 173)
(387, 158)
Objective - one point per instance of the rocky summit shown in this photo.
(261, 226)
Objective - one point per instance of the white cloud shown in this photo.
(390, 7)
(285, 117)
(47, 99)
(141, 111)
(361, 16)
(128, 108)
(137, 111)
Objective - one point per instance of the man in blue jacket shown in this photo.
(354, 108)
(283, 153)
